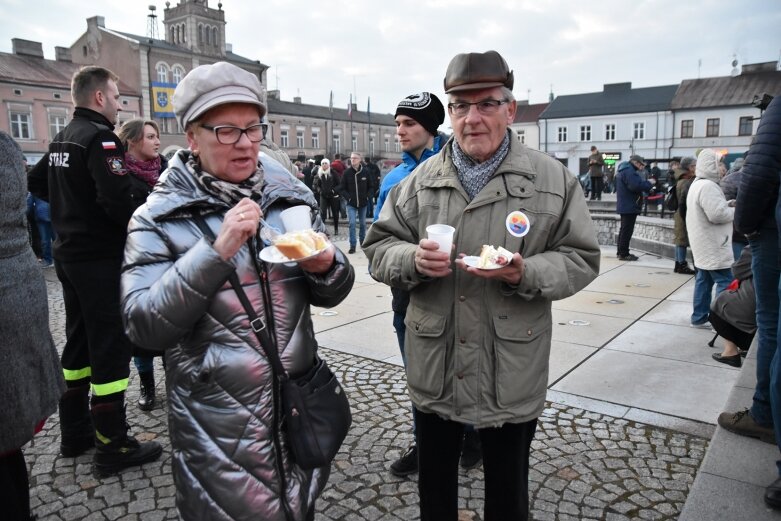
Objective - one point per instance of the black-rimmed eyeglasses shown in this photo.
(230, 135)
(484, 107)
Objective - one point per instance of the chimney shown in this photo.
(273, 94)
(758, 67)
(96, 21)
(297, 99)
(617, 88)
(27, 47)
(62, 54)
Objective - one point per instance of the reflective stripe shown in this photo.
(101, 438)
(109, 388)
(77, 374)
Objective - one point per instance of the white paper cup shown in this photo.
(296, 218)
(442, 234)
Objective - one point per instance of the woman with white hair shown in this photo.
(198, 228)
(709, 225)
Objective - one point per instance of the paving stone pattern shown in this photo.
(584, 465)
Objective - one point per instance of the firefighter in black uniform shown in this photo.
(83, 177)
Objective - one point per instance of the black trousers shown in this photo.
(625, 233)
(597, 185)
(505, 465)
(14, 486)
(96, 348)
(331, 203)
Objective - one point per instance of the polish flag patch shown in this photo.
(109, 145)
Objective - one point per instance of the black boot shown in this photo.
(76, 433)
(471, 451)
(117, 450)
(683, 268)
(146, 398)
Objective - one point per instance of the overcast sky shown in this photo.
(387, 49)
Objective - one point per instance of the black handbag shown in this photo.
(316, 411)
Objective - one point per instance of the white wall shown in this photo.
(727, 139)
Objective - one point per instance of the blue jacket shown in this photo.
(758, 193)
(629, 189)
(408, 164)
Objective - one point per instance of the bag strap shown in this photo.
(259, 327)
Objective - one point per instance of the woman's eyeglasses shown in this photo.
(230, 135)
(484, 107)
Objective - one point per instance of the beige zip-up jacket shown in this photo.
(477, 350)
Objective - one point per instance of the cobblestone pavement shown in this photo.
(584, 465)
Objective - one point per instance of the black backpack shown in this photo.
(671, 199)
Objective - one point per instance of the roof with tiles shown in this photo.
(290, 108)
(39, 72)
(529, 113)
(726, 91)
(615, 98)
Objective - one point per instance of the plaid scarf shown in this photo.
(230, 193)
(474, 176)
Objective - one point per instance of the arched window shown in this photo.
(200, 34)
(173, 34)
(162, 73)
(178, 73)
(178, 35)
(214, 36)
(208, 34)
(184, 34)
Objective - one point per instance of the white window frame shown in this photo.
(561, 134)
(300, 139)
(177, 73)
(610, 131)
(162, 72)
(387, 143)
(57, 118)
(20, 121)
(397, 145)
(337, 143)
(354, 142)
(585, 133)
(521, 135)
(284, 138)
(315, 138)
(638, 130)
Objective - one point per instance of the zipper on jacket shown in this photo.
(275, 389)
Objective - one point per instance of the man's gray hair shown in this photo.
(508, 94)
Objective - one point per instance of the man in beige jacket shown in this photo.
(478, 340)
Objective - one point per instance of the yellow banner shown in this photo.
(162, 94)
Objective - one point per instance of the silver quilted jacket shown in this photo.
(230, 460)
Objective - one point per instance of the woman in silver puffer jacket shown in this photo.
(230, 460)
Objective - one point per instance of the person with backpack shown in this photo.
(683, 175)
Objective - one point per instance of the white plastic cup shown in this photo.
(442, 234)
(296, 218)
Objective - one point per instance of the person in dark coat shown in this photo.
(630, 185)
(595, 165)
(757, 212)
(732, 314)
(684, 175)
(31, 380)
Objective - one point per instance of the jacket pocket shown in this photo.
(425, 347)
(521, 360)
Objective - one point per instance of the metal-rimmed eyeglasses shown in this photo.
(484, 107)
(230, 135)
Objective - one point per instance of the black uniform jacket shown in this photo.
(92, 196)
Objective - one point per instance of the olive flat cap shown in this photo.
(474, 70)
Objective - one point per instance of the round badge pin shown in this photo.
(517, 224)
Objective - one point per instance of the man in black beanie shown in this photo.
(418, 116)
